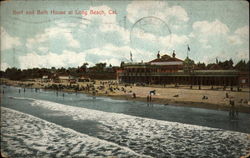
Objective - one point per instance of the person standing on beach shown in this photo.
(237, 112)
(232, 108)
(148, 100)
(19, 90)
(134, 95)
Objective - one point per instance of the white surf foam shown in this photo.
(112, 100)
(24, 134)
(21, 98)
(155, 137)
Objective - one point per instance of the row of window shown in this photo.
(136, 70)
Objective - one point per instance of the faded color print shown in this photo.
(125, 78)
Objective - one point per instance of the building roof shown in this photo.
(63, 77)
(165, 58)
(215, 67)
(174, 59)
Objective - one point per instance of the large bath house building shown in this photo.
(167, 69)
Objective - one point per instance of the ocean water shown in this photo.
(43, 124)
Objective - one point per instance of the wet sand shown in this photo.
(179, 96)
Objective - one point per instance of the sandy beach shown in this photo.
(168, 94)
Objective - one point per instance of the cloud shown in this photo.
(210, 28)
(109, 53)
(211, 58)
(112, 54)
(104, 31)
(240, 36)
(4, 66)
(66, 59)
(234, 39)
(107, 23)
(242, 55)
(178, 12)
(143, 35)
(243, 31)
(114, 28)
(53, 33)
(139, 9)
(204, 42)
(206, 33)
(174, 40)
(161, 42)
(97, 45)
(7, 41)
(43, 49)
(104, 19)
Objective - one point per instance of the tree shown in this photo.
(247, 66)
(201, 66)
(83, 68)
(226, 65)
(188, 64)
(188, 61)
(242, 65)
(122, 64)
(100, 66)
(1, 73)
(13, 73)
(72, 71)
(61, 70)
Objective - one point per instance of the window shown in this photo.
(243, 81)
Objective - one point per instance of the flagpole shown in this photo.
(188, 49)
(131, 57)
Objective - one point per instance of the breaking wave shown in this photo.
(155, 137)
(24, 135)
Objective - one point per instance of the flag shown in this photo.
(188, 48)
(131, 56)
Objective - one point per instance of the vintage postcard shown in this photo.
(110, 78)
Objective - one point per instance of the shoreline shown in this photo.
(155, 99)
(167, 102)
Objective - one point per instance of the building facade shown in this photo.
(171, 70)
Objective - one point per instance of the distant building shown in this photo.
(83, 79)
(66, 78)
(63, 78)
(45, 78)
(171, 70)
(244, 79)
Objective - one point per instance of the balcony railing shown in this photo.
(182, 73)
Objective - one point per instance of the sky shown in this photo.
(35, 35)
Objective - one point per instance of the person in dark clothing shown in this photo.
(134, 95)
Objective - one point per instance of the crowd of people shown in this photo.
(112, 87)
